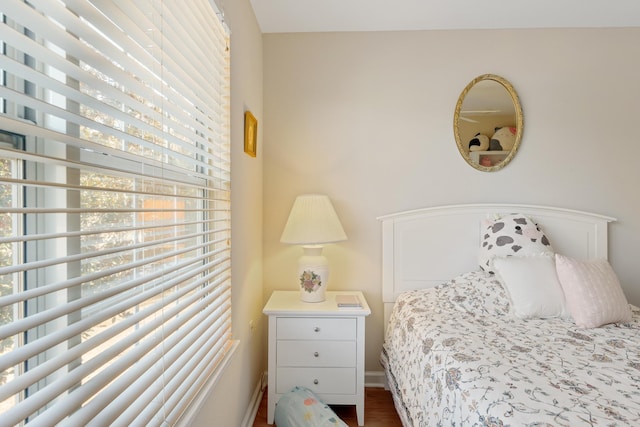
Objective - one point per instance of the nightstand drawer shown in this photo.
(314, 328)
(319, 380)
(316, 353)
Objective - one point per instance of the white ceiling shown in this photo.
(286, 16)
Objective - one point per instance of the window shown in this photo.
(115, 302)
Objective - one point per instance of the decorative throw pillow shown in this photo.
(533, 286)
(511, 235)
(593, 292)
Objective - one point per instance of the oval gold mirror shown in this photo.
(488, 123)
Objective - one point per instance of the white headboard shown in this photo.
(425, 247)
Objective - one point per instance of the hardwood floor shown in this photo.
(378, 410)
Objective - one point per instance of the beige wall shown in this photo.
(367, 119)
(227, 404)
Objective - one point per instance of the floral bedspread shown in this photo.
(455, 357)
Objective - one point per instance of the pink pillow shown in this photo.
(593, 293)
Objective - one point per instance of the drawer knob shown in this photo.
(316, 329)
(316, 354)
(315, 382)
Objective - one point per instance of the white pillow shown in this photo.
(510, 235)
(594, 295)
(532, 284)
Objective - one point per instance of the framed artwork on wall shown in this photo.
(250, 134)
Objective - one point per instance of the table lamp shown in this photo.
(312, 223)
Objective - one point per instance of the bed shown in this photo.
(497, 345)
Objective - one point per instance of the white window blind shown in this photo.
(115, 303)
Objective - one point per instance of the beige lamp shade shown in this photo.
(312, 221)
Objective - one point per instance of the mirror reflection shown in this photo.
(488, 122)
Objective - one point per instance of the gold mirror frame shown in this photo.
(488, 107)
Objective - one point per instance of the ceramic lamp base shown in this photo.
(313, 274)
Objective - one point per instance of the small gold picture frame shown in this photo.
(250, 134)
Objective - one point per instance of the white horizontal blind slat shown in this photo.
(117, 348)
(87, 233)
(115, 209)
(116, 353)
(73, 70)
(84, 256)
(40, 371)
(82, 50)
(32, 293)
(128, 54)
(72, 93)
(81, 121)
(49, 288)
(199, 361)
(37, 346)
(154, 384)
(143, 170)
(144, 356)
(178, 390)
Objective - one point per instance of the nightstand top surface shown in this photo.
(289, 303)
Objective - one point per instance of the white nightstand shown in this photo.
(318, 346)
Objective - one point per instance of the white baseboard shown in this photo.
(254, 403)
(375, 379)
